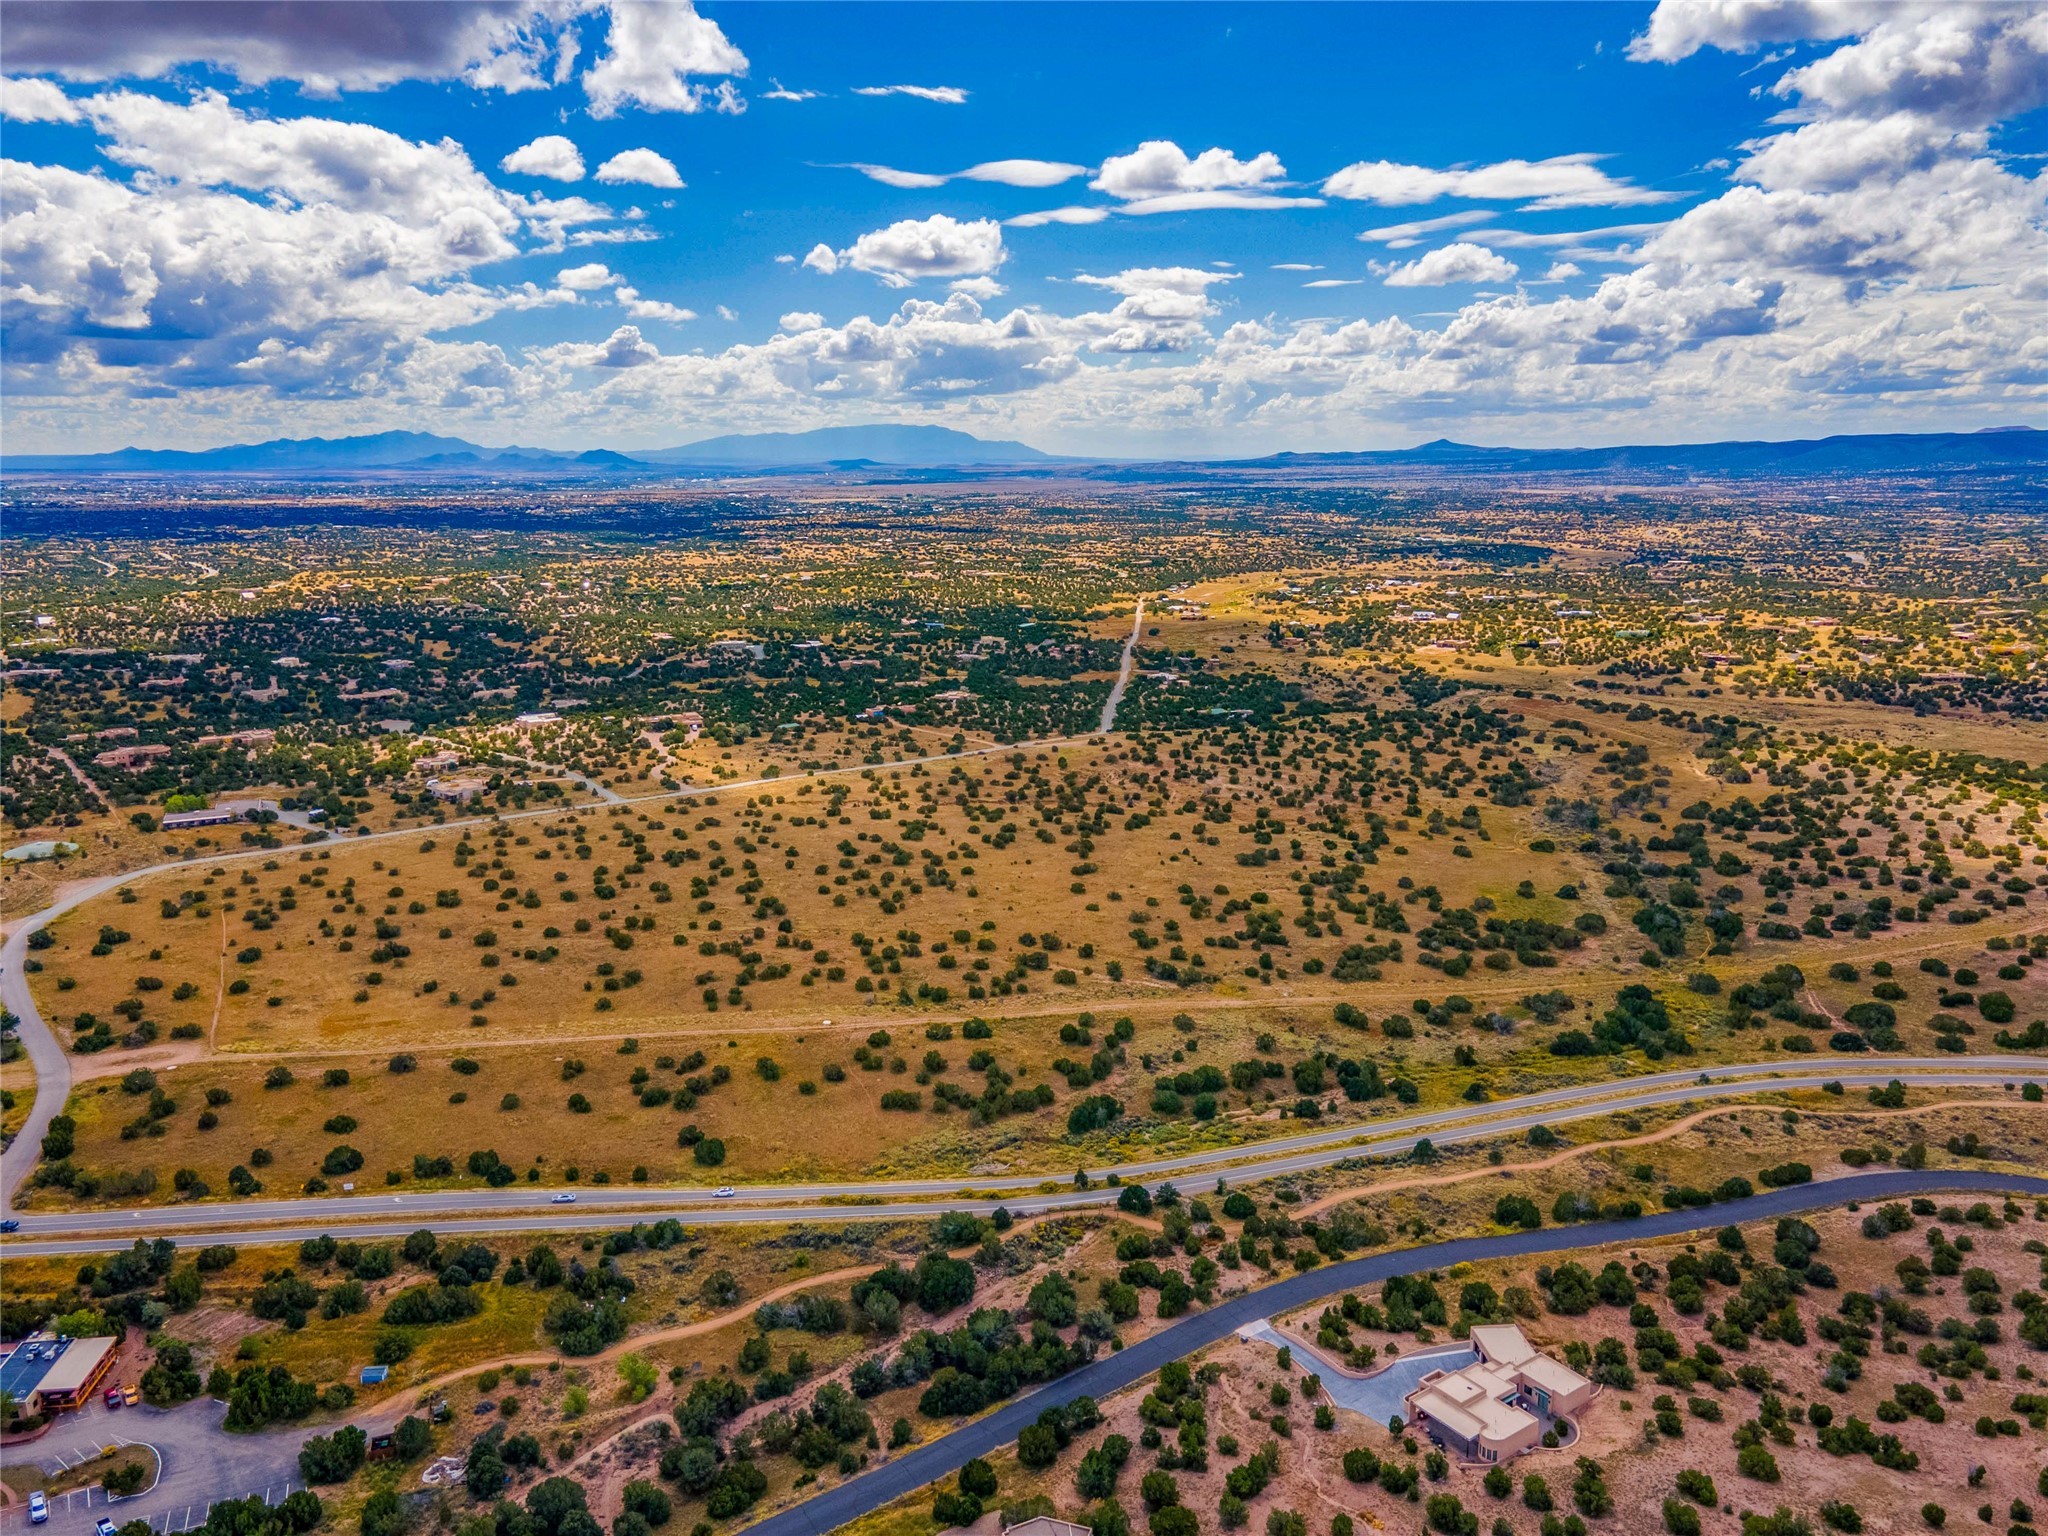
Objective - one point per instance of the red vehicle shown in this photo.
(113, 1397)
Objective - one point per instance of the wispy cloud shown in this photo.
(1079, 214)
(950, 95)
(1562, 181)
(1008, 173)
(1400, 236)
(1602, 244)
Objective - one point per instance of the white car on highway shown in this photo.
(723, 1192)
(564, 1198)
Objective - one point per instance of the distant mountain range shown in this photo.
(919, 447)
(889, 447)
(1996, 447)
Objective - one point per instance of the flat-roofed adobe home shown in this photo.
(1497, 1407)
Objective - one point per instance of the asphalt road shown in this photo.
(929, 1464)
(531, 1210)
(201, 1463)
(52, 1064)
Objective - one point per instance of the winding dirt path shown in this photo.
(1338, 1197)
(391, 1411)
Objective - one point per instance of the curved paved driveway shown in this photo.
(929, 1464)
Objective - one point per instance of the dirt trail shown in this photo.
(1338, 1197)
(1123, 672)
(392, 1411)
(220, 991)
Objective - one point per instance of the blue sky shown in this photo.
(1184, 229)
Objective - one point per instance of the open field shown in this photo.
(647, 862)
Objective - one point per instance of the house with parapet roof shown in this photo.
(1497, 1407)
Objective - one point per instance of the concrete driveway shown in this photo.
(1379, 1396)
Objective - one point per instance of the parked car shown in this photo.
(113, 1397)
(105, 1527)
(133, 1395)
(38, 1508)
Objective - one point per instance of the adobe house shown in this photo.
(1497, 1407)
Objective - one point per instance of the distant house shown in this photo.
(1496, 1408)
(131, 757)
(251, 739)
(457, 791)
(434, 762)
(209, 816)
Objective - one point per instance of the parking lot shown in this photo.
(199, 1464)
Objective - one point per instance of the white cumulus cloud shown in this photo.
(640, 166)
(911, 249)
(652, 50)
(29, 100)
(1460, 262)
(1161, 177)
(550, 155)
(641, 308)
(624, 348)
(301, 255)
(1874, 260)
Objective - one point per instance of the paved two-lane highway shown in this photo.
(526, 1208)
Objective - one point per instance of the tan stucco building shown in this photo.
(1496, 1408)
